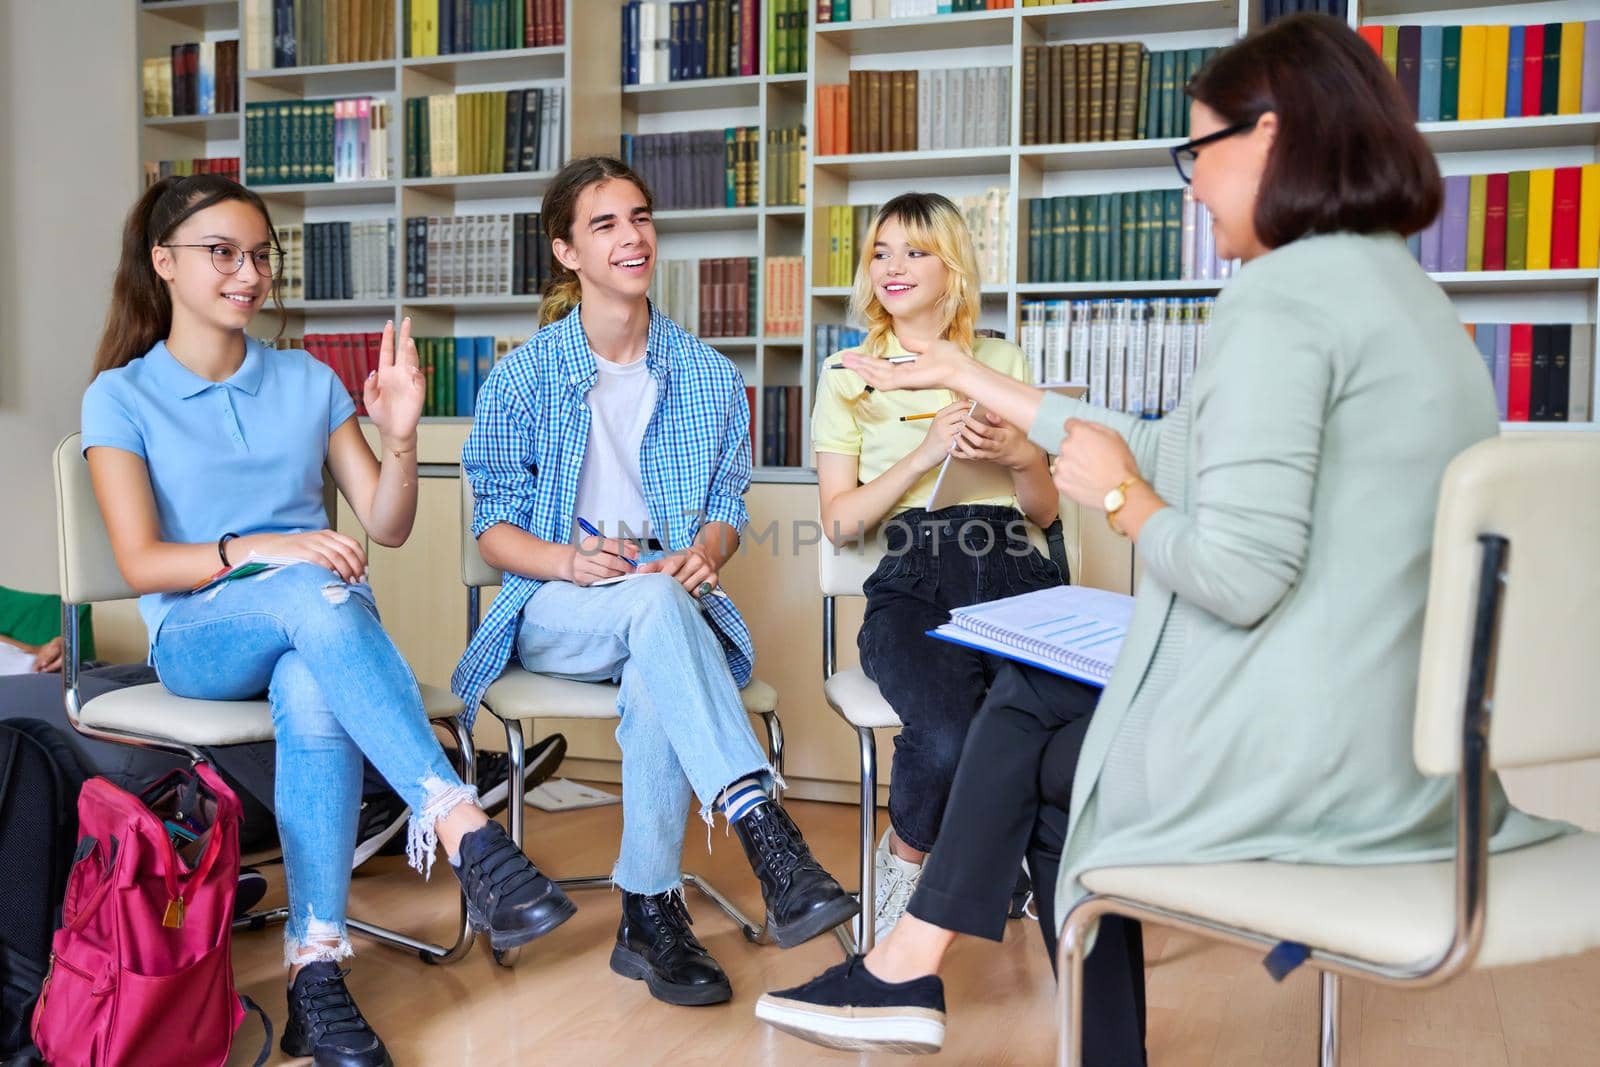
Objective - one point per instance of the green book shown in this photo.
(1163, 92)
(1172, 235)
(1477, 213)
(1088, 242)
(252, 144)
(1141, 258)
(1142, 131)
(1107, 236)
(1127, 237)
(447, 368)
(278, 153)
(1068, 265)
(1194, 59)
(1450, 74)
(841, 10)
(1517, 220)
(516, 31)
(424, 360)
(424, 140)
(1036, 234)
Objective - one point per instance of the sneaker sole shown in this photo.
(630, 964)
(905, 1030)
(841, 911)
(295, 1044)
(501, 941)
(369, 847)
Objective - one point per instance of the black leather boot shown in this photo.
(325, 1024)
(655, 945)
(803, 900)
(506, 894)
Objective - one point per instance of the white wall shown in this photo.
(68, 173)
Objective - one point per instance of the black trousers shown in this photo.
(1010, 799)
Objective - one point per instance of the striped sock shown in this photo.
(741, 798)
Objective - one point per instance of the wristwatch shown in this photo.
(1114, 502)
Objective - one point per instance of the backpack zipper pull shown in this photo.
(172, 918)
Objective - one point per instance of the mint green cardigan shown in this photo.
(1262, 705)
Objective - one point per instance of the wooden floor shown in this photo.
(1209, 1006)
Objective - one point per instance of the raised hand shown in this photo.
(394, 392)
(936, 366)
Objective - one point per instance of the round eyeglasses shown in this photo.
(229, 258)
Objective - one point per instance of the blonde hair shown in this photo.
(933, 224)
(557, 211)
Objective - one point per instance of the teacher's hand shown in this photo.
(936, 366)
(1094, 460)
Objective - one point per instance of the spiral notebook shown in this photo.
(1070, 630)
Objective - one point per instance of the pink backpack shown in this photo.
(141, 971)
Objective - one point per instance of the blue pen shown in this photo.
(587, 527)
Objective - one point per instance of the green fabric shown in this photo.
(1262, 705)
(34, 618)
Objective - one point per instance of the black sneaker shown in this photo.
(847, 1007)
(252, 887)
(494, 771)
(802, 899)
(506, 895)
(656, 946)
(383, 816)
(325, 1024)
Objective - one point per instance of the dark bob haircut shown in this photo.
(1347, 156)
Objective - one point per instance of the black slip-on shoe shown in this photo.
(803, 900)
(506, 895)
(325, 1024)
(847, 1007)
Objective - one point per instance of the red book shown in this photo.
(750, 398)
(1532, 68)
(1564, 220)
(530, 23)
(824, 11)
(825, 105)
(1373, 35)
(1494, 222)
(747, 41)
(1520, 383)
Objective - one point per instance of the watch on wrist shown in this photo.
(1114, 502)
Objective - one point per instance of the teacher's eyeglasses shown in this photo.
(228, 259)
(1184, 155)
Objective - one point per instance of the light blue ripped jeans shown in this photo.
(683, 725)
(339, 689)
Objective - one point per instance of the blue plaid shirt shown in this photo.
(525, 452)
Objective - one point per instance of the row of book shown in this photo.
(1451, 73)
(830, 338)
(847, 10)
(786, 166)
(225, 166)
(338, 260)
(787, 24)
(689, 39)
(911, 110)
(1135, 356)
(498, 132)
(697, 168)
(314, 33)
(1145, 236)
(1542, 372)
(195, 79)
(351, 357)
(450, 27)
(1276, 9)
(782, 412)
(1546, 219)
(709, 297)
(454, 368)
(1109, 91)
(502, 254)
(292, 141)
(784, 297)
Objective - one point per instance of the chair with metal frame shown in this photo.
(148, 716)
(1506, 679)
(520, 696)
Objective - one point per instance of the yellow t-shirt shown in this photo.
(849, 421)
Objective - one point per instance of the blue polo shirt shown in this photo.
(243, 455)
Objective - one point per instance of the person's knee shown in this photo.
(298, 708)
(935, 746)
(652, 594)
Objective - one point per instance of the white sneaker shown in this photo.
(896, 879)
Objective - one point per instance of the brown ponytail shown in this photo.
(559, 207)
(141, 307)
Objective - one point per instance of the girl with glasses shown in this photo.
(205, 447)
(1282, 516)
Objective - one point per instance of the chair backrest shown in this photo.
(86, 568)
(1542, 494)
(475, 573)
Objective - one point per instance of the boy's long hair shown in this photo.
(557, 212)
(933, 224)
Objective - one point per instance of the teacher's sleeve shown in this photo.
(1143, 435)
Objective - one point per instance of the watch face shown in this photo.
(1115, 500)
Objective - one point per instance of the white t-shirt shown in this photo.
(610, 488)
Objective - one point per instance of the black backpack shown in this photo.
(40, 777)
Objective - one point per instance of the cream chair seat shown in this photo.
(1507, 678)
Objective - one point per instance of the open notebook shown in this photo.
(1067, 629)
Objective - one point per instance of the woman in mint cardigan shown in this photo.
(1283, 515)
